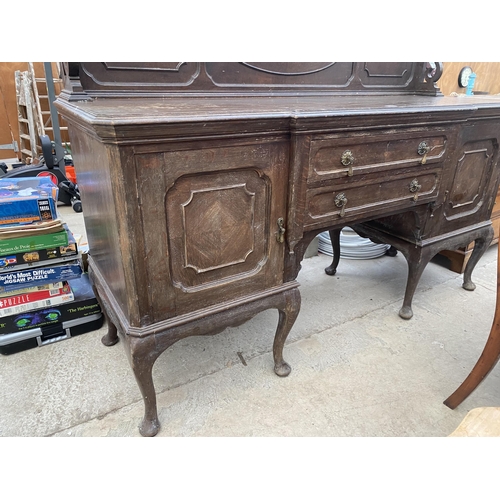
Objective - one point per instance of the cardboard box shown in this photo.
(24, 200)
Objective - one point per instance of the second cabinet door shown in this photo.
(472, 192)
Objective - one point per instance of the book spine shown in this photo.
(84, 305)
(33, 243)
(39, 304)
(28, 298)
(49, 286)
(39, 276)
(57, 261)
(38, 256)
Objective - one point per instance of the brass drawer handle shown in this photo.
(341, 202)
(280, 236)
(414, 188)
(347, 159)
(422, 150)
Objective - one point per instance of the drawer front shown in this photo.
(348, 199)
(363, 153)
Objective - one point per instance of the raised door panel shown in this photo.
(475, 183)
(218, 228)
(472, 174)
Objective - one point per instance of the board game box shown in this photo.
(33, 243)
(25, 200)
(34, 258)
(37, 288)
(15, 280)
(37, 337)
(25, 302)
(84, 305)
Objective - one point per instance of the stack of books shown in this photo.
(42, 284)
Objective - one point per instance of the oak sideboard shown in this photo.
(204, 183)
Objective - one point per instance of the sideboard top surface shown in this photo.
(116, 120)
(174, 109)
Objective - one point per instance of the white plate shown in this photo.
(352, 246)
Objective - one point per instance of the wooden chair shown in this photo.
(488, 359)
(479, 422)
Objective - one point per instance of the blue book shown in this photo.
(39, 276)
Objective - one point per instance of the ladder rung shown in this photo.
(24, 120)
(55, 80)
(25, 136)
(52, 128)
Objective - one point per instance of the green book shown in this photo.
(32, 243)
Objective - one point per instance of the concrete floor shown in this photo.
(357, 368)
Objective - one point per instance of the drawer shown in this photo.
(363, 153)
(370, 195)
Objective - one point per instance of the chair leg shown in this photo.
(486, 362)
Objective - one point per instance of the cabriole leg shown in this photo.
(142, 357)
(417, 261)
(335, 239)
(111, 337)
(481, 244)
(287, 316)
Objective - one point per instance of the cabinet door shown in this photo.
(220, 214)
(475, 181)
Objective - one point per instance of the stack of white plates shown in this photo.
(352, 246)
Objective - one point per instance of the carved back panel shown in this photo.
(108, 79)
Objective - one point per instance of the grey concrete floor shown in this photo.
(357, 368)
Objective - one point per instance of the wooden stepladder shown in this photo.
(30, 124)
(35, 113)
